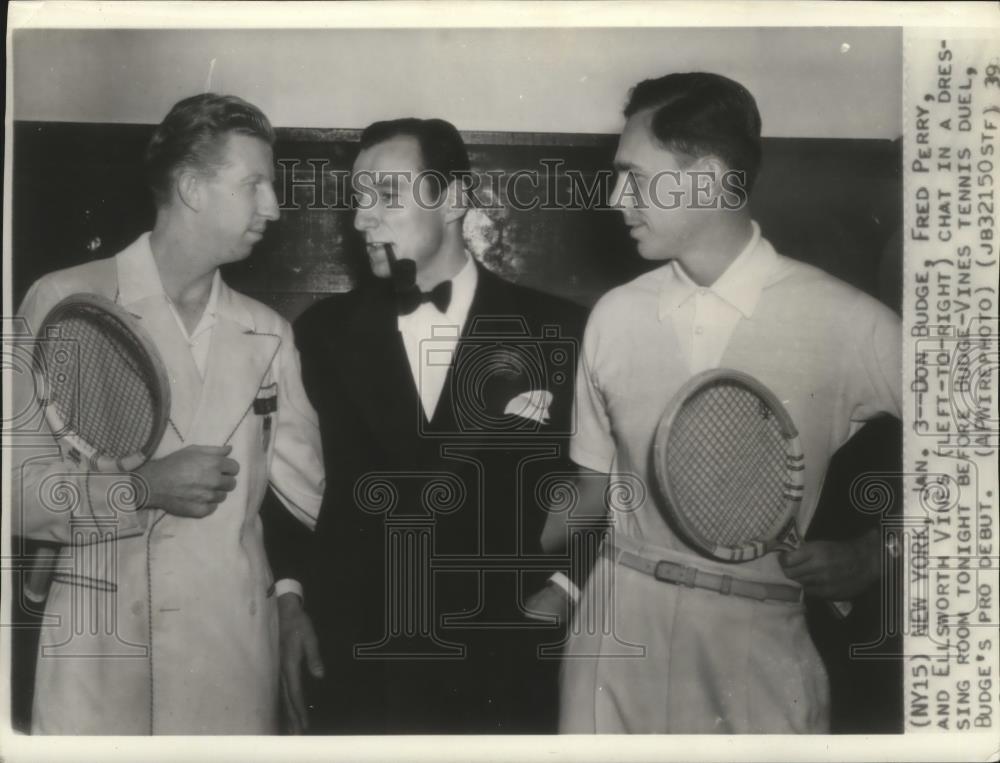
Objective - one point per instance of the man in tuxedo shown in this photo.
(444, 395)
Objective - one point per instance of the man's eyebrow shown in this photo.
(381, 180)
(626, 167)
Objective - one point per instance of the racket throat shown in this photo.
(789, 537)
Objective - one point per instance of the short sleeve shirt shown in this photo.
(828, 351)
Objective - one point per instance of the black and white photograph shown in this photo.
(500, 381)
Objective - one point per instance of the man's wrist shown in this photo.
(140, 488)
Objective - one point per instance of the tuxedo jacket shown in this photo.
(428, 539)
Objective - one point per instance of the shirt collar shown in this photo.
(740, 285)
(463, 288)
(208, 317)
(139, 279)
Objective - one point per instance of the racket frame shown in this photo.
(786, 535)
(71, 442)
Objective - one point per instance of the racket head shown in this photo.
(105, 394)
(729, 467)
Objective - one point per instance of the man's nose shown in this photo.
(364, 218)
(268, 207)
(619, 199)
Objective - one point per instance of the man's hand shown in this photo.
(190, 482)
(839, 570)
(298, 644)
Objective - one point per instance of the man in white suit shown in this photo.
(171, 626)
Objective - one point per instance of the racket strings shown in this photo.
(101, 385)
(727, 464)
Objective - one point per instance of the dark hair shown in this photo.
(191, 136)
(698, 114)
(442, 149)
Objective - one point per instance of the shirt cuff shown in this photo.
(35, 597)
(288, 585)
(566, 584)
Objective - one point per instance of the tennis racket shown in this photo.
(104, 391)
(730, 468)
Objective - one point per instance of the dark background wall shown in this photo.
(79, 195)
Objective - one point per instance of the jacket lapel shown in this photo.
(185, 381)
(487, 301)
(238, 362)
(140, 292)
(374, 367)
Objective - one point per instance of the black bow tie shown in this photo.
(408, 300)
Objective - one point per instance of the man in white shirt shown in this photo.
(170, 627)
(444, 396)
(707, 657)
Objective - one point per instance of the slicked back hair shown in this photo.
(699, 114)
(442, 149)
(193, 134)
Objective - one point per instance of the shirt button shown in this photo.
(699, 330)
(703, 292)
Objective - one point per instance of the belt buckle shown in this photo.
(726, 585)
(667, 572)
(678, 574)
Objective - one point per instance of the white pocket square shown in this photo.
(533, 405)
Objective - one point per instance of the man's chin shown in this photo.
(653, 254)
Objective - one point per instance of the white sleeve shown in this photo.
(288, 585)
(560, 579)
(297, 474)
(592, 445)
(876, 379)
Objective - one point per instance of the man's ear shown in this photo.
(711, 170)
(189, 189)
(456, 204)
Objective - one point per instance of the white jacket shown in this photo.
(171, 626)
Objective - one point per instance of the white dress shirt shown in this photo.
(430, 337)
(200, 339)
